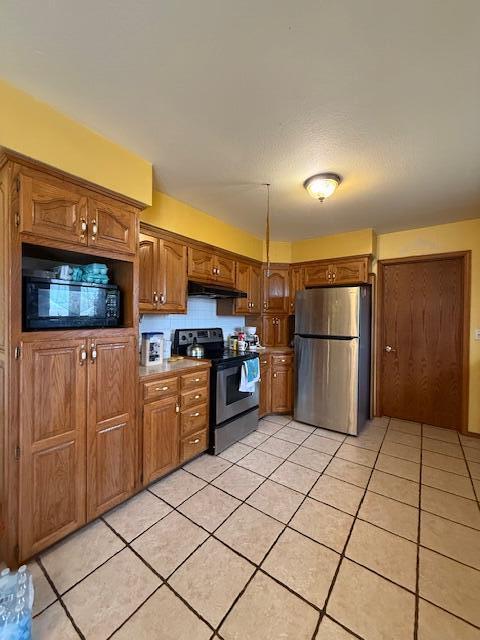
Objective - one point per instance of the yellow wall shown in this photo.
(279, 251)
(457, 236)
(336, 246)
(36, 130)
(171, 214)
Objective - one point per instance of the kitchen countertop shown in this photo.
(172, 367)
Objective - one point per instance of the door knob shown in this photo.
(390, 349)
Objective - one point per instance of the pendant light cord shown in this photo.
(267, 228)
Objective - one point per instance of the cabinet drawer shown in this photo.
(160, 389)
(193, 445)
(282, 360)
(194, 380)
(193, 419)
(264, 360)
(193, 398)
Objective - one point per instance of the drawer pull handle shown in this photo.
(196, 441)
(162, 388)
(283, 359)
(195, 415)
(197, 396)
(197, 380)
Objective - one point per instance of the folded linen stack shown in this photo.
(95, 272)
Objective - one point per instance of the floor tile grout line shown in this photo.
(60, 600)
(342, 555)
(417, 568)
(470, 475)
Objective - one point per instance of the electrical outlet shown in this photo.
(477, 334)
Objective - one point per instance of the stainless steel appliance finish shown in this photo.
(233, 413)
(332, 356)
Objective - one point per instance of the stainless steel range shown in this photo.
(233, 413)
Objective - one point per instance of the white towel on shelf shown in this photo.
(247, 383)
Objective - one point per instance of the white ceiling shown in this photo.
(223, 95)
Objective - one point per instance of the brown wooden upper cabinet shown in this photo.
(276, 290)
(163, 275)
(56, 210)
(342, 271)
(207, 266)
(249, 279)
(297, 277)
(275, 331)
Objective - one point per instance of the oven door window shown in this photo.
(232, 385)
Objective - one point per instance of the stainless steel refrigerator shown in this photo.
(332, 357)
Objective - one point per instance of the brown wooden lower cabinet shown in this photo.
(77, 441)
(275, 331)
(175, 420)
(276, 386)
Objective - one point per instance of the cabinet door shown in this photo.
(296, 284)
(350, 272)
(255, 289)
(148, 272)
(282, 391)
(275, 290)
(173, 277)
(318, 274)
(201, 264)
(112, 366)
(161, 438)
(268, 331)
(52, 442)
(52, 211)
(242, 305)
(225, 270)
(265, 383)
(111, 227)
(282, 331)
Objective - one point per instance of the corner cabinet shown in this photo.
(77, 441)
(276, 297)
(162, 275)
(249, 280)
(297, 283)
(276, 331)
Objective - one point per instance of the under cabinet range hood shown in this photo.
(213, 291)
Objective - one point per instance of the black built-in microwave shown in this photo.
(65, 304)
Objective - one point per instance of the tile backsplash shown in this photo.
(201, 314)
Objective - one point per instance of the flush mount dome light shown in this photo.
(322, 185)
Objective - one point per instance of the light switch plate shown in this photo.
(477, 334)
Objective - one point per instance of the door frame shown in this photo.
(466, 257)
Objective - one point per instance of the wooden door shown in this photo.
(225, 270)
(296, 284)
(350, 272)
(201, 264)
(317, 274)
(423, 341)
(173, 277)
(276, 290)
(112, 367)
(148, 248)
(111, 227)
(282, 390)
(242, 305)
(265, 387)
(255, 289)
(52, 211)
(52, 442)
(161, 438)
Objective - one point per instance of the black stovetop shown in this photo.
(213, 344)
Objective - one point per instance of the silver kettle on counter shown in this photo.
(195, 350)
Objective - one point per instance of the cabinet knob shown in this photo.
(283, 359)
(177, 409)
(274, 375)
(197, 380)
(83, 354)
(94, 229)
(155, 296)
(162, 388)
(197, 397)
(195, 415)
(83, 227)
(162, 298)
(196, 441)
(93, 353)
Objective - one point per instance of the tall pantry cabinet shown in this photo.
(67, 397)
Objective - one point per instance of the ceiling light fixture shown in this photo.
(322, 185)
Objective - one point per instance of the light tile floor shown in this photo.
(295, 533)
